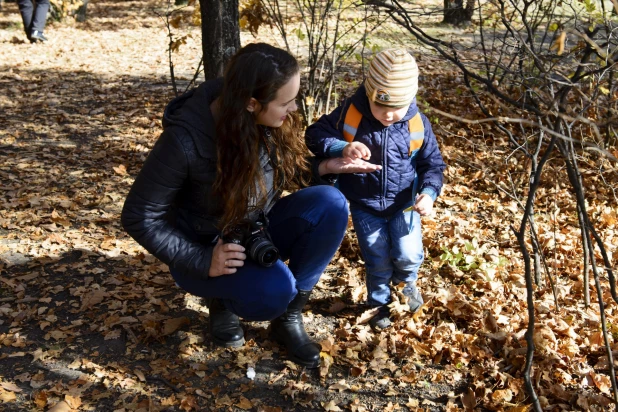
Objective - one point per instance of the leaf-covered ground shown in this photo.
(89, 321)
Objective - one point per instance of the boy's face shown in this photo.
(387, 115)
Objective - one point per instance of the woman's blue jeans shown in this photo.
(392, 249)
(307, 227)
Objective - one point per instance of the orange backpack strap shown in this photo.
(350, 124)
(415, 125)
(417, 133)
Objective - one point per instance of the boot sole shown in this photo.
(308, 365)
(228, 344)
(298, 361)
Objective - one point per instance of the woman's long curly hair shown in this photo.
(256, 71)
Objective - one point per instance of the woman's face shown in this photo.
(275, 112)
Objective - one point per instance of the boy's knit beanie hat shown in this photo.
(392, 79)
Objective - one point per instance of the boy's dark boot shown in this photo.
(415, 299)
(224, 326)
(381, 320)
(289, 330)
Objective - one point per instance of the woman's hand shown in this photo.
(338, 165)
(226, 257)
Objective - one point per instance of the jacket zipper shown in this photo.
(384, 169)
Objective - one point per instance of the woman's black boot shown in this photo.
(224, 326)
(289, 330)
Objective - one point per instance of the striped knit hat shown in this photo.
(392, 79)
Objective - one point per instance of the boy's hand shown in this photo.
(424, 204)
(356, 150)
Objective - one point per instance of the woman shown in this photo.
(227, 151)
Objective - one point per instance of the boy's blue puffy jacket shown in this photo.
(388, 190)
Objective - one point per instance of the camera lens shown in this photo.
(269, 257)
(263, 252)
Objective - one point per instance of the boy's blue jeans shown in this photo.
(392, 250)
(307, 227)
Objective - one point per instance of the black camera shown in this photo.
(254, 237)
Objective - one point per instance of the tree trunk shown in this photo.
(220, 34)
(456, 13)
(80, 15)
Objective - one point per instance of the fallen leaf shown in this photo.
(61, 406)
(73, 401)
(244, 403)
(140, 375)
(468, 399)
(171, 325)
(331, 406)
(502, 396)
(120, 169)
(9, 386)
(339, 386)
(6, 396)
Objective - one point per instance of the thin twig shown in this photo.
(166, 19)
(522, 121)
(197, 73)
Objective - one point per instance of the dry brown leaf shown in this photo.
(93, 298)
(357, 406)
(120, 169)
(339, 386)
(265, 408)
(602, 382)
(189, 403)
(140, 375)
(522, 408)
(502, 396)
(73, 401)
(172, 325)
(9, 386)
(559, 43)
(325, 365)
(331, 406)
(61, 406)
(244, 403)
(6, 396)
(40, 398)
(468, 399)
(113, 334)
(366, 315)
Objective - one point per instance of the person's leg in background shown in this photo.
(39, 18)
(34, 17)
(26, 9)
(307, 227)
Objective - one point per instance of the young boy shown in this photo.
(381, 124)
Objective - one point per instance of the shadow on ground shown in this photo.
(118, 333)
